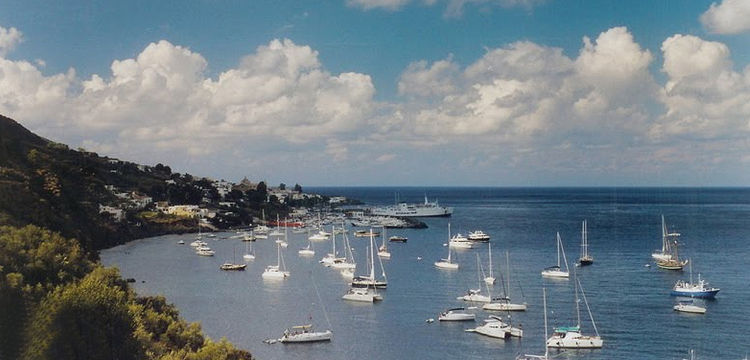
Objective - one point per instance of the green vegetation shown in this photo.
(57, 304)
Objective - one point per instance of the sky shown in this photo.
(391, 92)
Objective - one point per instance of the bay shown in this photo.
(629, 301)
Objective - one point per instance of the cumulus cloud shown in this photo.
(9, 38)
(526, 92)
(162, 99)
(728, 17)
(704, 96)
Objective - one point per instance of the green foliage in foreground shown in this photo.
(56, 304)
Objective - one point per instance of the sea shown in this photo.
(628, 296)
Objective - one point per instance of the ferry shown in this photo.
(427, 209)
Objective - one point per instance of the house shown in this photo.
(116, 213)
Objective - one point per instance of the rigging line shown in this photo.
(322, 305)
(588, 308)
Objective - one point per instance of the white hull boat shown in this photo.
(478, 235)
(414, 210)
(570, 337)
(456, 314)
(495, 327)
(447, 263)
(362, 295)
(460, 242)
(475, 295)
(556, 271)
(688, 307)
(304, 334)
(504, 305)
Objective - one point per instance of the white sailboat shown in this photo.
(491, 278)
(556, 271)
(370, 280)
(456, 314)
(249, 252)
(383, 252)
(308, 250)
(586, 258)
(546, 349)
(277, 271)
(475, 295)
(447, 263)
(347, 262)
(570, 337)
(504, 303)
(305, 334)
(277, 230)
(331, 257)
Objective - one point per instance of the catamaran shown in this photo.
(556, 271)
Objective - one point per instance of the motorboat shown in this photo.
(181, 242)
(456, 314)
(198, 243)
(475, 295)
(397, 239)
(362, 295)
(305, 334)
(230, 266)
(204, 251)
(556, 271)
(459, 241)
(495, 327)
(689, 307)
(478, 235)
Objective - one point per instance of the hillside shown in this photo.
(95, 199)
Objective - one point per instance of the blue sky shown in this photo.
(392, 92)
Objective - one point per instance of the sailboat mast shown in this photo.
(372, 256)
(578, 307)
(490, 246)
(507, 274)
(333, 233)
(558, 249)
(449, 242)
(544, 297)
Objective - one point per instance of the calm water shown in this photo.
(630, 302)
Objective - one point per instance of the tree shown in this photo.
(298, 188)
(261, 188)
(85, 320)
(282, 186)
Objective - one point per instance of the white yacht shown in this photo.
(475, 295)
(304, 334)
(277, 271)
(459, 241)
(495, 327)
(571, 337)
(362, 295)
(556, 271)
(689, 307)
(427, 209)
(456, 314)
(478, 235)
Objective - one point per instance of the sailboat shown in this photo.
(666, 239)
(556, 271)
(546, 349)
(475, 295)
(585, 258)
(570, 337)
(383, 252)
(249, 253)
(696, 290)
(673, 263)
(308, 250)
(491, 278)
(277, 271)
(277, 231)
(331, 257)
(447, 263)
(347, 262)
(370, 280)
(305, 334)
(233, 265)
(505, 303)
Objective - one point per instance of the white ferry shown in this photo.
(414, 210)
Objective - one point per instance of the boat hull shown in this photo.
(504, 307)
(307, 337)
(693, 309)
(556, 274)
(446, 265)
(574, 340)
(704, 294)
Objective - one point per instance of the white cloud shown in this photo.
(437, 80)
(704, 97)
(729, 17)
(453, 7)
(9, 38)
